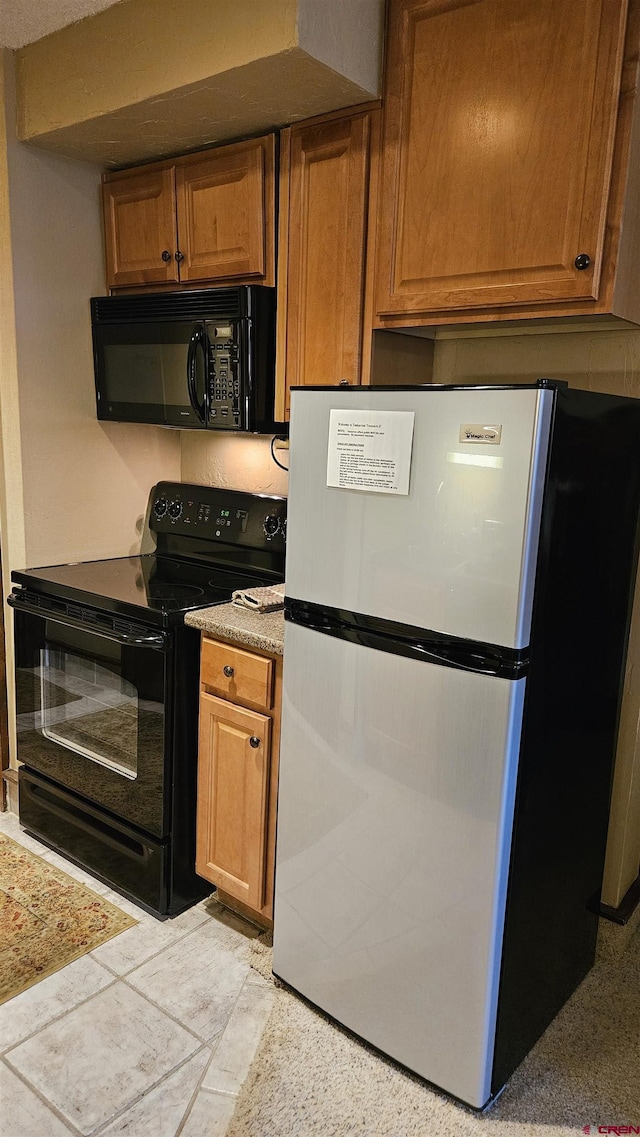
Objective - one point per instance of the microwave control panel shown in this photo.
(224, 377)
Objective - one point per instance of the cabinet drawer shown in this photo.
(237, 675)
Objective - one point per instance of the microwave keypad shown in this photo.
(224, 381)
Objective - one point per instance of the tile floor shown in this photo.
(150, 1035)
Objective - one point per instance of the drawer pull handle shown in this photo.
(228, 670)
(255, 742)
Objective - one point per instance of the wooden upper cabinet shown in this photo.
(500, 123)
(226, 212)
(140, 227)
(324, 191)
(207, 217)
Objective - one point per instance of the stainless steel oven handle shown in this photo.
(129, 639)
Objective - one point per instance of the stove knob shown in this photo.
(175, 509)
(160, 508)
(271, 525)
(283, 529)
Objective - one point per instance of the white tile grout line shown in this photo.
(198, 1088)
(113, 1117)
(67, 1011)
(196, 1093)
(211, 1044)
(207, 1094)
(131, 1105)
(222, 1093)
(116, 978)
(4, 1057)
(205, 1044)
(45, 1101)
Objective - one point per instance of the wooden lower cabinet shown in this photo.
(237, 780)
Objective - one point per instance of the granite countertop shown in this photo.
(261, 630)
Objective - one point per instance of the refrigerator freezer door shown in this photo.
(394, 825)
(458, 553)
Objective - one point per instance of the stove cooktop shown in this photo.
(209, 542)
(157, 589)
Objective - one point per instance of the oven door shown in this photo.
(92, 708)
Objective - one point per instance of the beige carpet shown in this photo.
(47, 919)
(308, 1078)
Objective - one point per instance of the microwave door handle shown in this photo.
(208, 376)
(198, 339)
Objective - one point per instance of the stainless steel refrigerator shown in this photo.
(460, 570)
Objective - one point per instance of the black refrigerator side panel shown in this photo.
(585, 579)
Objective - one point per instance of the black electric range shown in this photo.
(107, 688)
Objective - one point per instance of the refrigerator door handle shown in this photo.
(486, 668)
(413, 643)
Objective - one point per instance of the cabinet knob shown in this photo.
(228, 670)
(179, 257)
(582, 261)
(344, 383)
(166, 255)
(255, 742)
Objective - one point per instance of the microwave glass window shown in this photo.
(148, 373)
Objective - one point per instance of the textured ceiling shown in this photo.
(24, 21)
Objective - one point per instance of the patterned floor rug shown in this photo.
(46, 919)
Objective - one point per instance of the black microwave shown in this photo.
(198, 360)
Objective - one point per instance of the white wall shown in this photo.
(243, 463)
(71, 488)
(347, 37)
(85, 483)
(596, 360)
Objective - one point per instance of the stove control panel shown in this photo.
(230, 516)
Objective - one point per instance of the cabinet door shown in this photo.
(328, 190)
(233, 779)
(226, 213)
(140, 228)
(500, 119)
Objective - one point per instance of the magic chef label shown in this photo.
(370, 450)
(477, 432)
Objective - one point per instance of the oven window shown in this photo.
(89, 709)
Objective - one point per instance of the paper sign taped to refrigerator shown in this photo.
(370, 450)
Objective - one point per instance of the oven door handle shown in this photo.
(157, 640)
